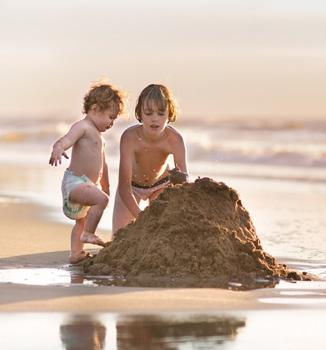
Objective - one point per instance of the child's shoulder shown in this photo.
(173, 133)
(132, 131)
(171, 130)
(80, 123)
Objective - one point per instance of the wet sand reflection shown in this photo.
(155, 332)
(163, 333)
(83, 333)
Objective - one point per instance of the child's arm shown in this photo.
(105, 183)
(60, 146)
(125, 175)
(180, 173)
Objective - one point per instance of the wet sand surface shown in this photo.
(45, 246)
(234, 330)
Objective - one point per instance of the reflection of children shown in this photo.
(85, 185)
(83, 333)
(144, 151)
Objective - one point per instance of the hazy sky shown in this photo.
(221, 58)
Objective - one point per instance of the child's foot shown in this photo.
(92, 239)
(78, 257)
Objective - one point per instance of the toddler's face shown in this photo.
(106, 118)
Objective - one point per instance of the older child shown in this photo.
(144, 151)
(85, 184)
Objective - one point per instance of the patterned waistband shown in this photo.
(157, 183)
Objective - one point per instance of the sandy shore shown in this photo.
(29, 239)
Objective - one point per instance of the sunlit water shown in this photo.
(299, 293)
(254, 330)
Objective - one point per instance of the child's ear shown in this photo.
(94, 107)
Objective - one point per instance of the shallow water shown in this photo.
(254, 330)
(300, 293)
(73, 276)
(43, 277)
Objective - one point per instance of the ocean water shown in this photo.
(278, 167)
(295, 148)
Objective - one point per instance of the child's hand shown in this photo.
(177, 176)
(56, 155)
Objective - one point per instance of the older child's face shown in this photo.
(154, 119)
(104, 119)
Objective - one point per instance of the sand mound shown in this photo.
(195, 234)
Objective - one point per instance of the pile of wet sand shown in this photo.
(194, 234)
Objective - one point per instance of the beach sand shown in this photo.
(35, 244)
(30, 240)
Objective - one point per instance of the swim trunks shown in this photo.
(121, 214)
(144, 191)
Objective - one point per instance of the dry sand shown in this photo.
(28, 239)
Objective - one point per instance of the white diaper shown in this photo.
(69, 183)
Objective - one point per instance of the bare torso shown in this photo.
(150, 158)
(87, 153)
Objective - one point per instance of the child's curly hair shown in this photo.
(161, 96)
(103, 94)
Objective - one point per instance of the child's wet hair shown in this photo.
(103, 95)
(161, 97)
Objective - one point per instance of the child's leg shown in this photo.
(155, 194)
(121, 214)
(90, 195)
(76, 245)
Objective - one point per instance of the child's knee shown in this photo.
(80, 222)
(103, 200)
